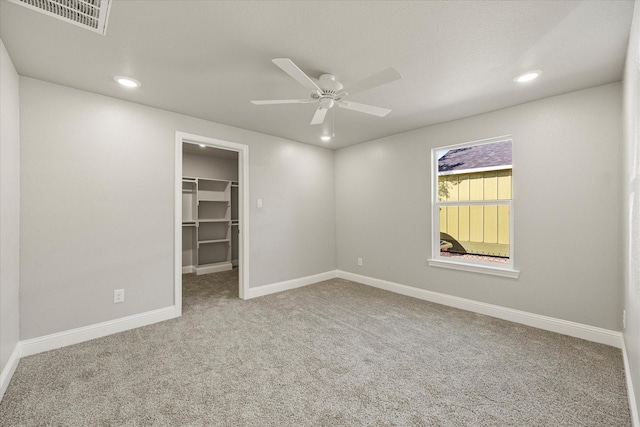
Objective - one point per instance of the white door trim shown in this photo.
(243, 210)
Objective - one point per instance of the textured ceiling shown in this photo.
(208, 59)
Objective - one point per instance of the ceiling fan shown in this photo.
(328, 91)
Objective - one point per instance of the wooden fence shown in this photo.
(480, 229)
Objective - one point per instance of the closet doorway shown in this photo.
(211, 209)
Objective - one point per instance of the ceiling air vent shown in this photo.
(89, 14)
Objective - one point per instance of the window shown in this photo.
(473, 207)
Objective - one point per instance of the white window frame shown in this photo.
(477, 266)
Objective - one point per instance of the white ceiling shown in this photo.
(208, 59)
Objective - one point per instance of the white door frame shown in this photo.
(243, 211)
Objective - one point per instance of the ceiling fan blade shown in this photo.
(283, 101)
(378, 79)
(292, 69)
(364, 108)
(318, 117)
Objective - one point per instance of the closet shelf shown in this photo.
(213, 199)
(204, 242)
(200, 199)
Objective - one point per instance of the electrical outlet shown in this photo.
(624, 319)
(118, 296)
(360, 262)
(259, 203)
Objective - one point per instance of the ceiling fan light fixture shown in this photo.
(527, 76)
(127, 81)
(325, 138)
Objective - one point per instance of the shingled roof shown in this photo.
(476, 157)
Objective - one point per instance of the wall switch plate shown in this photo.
(360, 262)
(118, 296)
(259, 203)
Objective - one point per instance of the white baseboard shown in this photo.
(633, 408)
(215, 268)
(9, 369)
(98, 330)
(186, 269)
(565, 327)
(289, 284)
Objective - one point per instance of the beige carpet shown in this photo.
(336, 353)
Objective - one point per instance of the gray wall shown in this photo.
(97, 206)
(9, 206)
(201, 166)
(567, 198)
(631, 243)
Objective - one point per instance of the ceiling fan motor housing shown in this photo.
(329, 83)
(330, 89)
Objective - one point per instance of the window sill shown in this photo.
(475, 268)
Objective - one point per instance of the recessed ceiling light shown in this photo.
(127, 81)
(528, 76)
(202, 145)
(325, 138)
